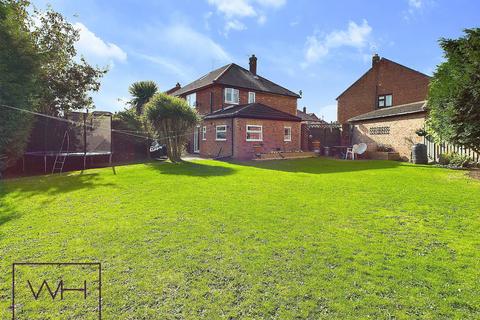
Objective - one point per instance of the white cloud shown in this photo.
(92, 46)
(262, 19)
(294, 23)
(417, 4)
(233, 10)
(206, 19)
(416, 7)
(184, 39)
(171, 66)
(234, 25)
(272, 3)
(318, 46)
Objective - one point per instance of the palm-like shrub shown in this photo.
(172, 121)
(142, 92)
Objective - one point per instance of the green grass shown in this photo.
(299, 239)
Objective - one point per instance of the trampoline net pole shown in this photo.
(85, 140)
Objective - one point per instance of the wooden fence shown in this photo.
(434, 150)
(329, 134)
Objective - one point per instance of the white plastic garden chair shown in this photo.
(356, 149)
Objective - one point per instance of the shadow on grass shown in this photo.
(320, 165)
(194, 169)
(52, 184)
(6, 214)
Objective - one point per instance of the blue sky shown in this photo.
(319, 47)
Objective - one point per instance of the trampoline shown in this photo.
(77, 135)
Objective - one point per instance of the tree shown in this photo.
(454, 93)
(134, 129)
(19, 76)
(39, 71)
(127, 120)
(66, 82)
(171, 119)
(142, 92)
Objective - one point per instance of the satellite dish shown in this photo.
(360, 148)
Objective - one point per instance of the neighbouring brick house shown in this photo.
(309, 117)
(385, 106)
(241, 113)
(394, 127)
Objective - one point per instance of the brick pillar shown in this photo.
(304, 137)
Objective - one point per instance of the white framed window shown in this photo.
(385, 101)
(221, 133)
(231, 96)
(204, 133)
(251, 97)
(287, 134)
(192, 99)
(254, 133)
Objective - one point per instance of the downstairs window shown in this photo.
(254, 133)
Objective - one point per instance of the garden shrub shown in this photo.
(461, 161)
(456, 160)
(445, 158)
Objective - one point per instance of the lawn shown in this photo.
(298, 239)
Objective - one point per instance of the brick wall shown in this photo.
(385, 77)
(211, 148)
(204, 106)
(304, 137)
(283, 103)
(273, 138)
(402, 134)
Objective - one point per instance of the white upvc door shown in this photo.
(196, 140)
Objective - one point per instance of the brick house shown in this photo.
(385, 106)
(393, 127)
(309, 117)
(242, 114)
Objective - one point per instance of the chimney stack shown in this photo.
(304, 109)
(253, 64)
(375, 59)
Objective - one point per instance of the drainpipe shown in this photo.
(232, 139)
(211, 101)
(375, 65)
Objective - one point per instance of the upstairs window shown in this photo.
(221, 133)
(254, 133)
(287, 134)
(385, 101)
(231, 96)
(251, 97)
(192, 100)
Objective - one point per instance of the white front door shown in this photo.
(196, 140)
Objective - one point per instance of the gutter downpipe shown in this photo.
(232, 139)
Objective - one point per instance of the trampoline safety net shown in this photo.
(88, 134)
